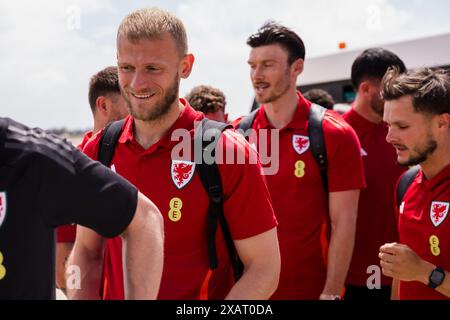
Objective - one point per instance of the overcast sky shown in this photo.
(49, 49)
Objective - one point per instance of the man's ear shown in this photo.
(364, 88)
(298, 66)
(103, 105)
(444, 121)
(186, 65)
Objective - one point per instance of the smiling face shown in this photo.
(149, 75)
(270, 73)
(410, 132)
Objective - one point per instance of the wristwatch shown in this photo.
(436, 277)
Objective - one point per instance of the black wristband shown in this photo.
(436, 277)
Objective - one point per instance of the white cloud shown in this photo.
(46, 67)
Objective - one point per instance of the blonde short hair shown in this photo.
(152, 23)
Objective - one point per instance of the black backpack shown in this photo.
(404, 183)
(315, 133)
(210, 177)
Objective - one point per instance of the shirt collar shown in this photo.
(298, 121)
(185, 120)
(436, 181)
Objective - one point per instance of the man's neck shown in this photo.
(147, 133)
(365, 111)
(280, 112)
(437, 162)
(97, 128)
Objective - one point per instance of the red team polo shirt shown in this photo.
(86, 138)
(377, 222)
(300, 201)
(424, 225)
(67, 234)
(183, 202)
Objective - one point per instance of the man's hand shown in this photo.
(400, 262)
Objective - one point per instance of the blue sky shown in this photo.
(48, 51)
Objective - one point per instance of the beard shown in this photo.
(160, 107)
(377, 105)
(280, 88)
(421, 153)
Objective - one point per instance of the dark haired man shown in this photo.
(417, 111)
(301, 202)
(106, 102)
(376, 222)
(107, 105)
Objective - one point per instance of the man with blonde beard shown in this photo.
(152, 58)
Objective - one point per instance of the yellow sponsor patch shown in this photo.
(434, 246)
(176, 204)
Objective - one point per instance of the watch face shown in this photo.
(437, 276)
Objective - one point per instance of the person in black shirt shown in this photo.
(45, 182)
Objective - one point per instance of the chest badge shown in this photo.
(182, 172)
(2, 207)
(439, 212)
(300, 143)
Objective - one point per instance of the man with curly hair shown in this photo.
(210, 101)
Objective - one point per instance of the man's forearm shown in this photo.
(143, 258)
(339, 257)
(90, 270)
(257, 283)
(425, 271)
(62, 254)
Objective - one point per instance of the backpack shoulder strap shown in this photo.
(317, 140)
(405, 181)
(247, 121)
(108, 142)
(210, 177)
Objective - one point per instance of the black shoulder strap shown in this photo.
(247, 121)
(404, 183)
(317, 140)
(108, 141)
(210, 176)
(315, 133)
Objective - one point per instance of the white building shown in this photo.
(332, 72)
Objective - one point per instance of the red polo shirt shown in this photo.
(67, 234)
(377, 223)
(86, 138)
(183, 202)
(424, 225)
(299, 199)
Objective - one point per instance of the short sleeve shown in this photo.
(75, 189)
(247, 204)
(345, 165)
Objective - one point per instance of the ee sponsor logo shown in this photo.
(176, 204)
